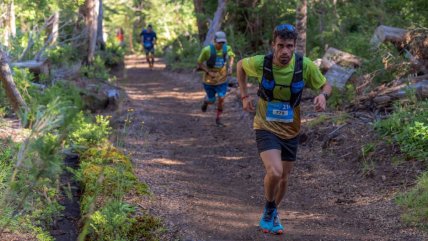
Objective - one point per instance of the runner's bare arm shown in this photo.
(204, 68)
(247, 103)
(230, 70)
(321, 100)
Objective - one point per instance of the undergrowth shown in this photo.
(408, 127)
(30, 171)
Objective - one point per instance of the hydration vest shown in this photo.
(213, 57)
(268, 84)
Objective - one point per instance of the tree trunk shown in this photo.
(12, 22)
(301, 17)
(12, 92)
(55, 28)
(53, 23)
(216, 22)
(92, 24)
(200, 15)
(100, 33)
(6, 26)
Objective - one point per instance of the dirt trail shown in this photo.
(207, 181)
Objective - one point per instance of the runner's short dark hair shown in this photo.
(284, 33)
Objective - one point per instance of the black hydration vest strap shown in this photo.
(213, 55)
(297, 77)
(268, 75)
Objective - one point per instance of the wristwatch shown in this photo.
(325, 95)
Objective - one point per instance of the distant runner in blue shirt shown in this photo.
(148, 40)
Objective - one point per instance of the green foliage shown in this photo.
(31, 188)
(85, 133)
(251, 24)
(107, 176)
(114, 54)
(115, 221)
(408, 126)
(97, 70)
(321, 119)
(183, 52)
(63, 55)
(337, 119)
(8, 151)
(340, 98)
(112, 222)
(170, 19)
(415, 203)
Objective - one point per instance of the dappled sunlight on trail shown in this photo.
(139, 61)
(207, 181)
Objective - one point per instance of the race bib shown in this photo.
(279, 111)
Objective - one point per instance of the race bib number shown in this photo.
(279, 111)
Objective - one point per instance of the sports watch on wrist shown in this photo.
(325, 95)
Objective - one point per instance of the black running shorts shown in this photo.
(268, 141)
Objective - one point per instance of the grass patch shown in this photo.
(415, 203)
(339, 118)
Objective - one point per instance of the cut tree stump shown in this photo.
(337, 76)
(36, 67)
(334, 56)
(385, 33)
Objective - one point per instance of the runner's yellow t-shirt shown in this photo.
(312, 77)
(221, 73)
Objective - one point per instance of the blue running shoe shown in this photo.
(277, 227)
(266, 222)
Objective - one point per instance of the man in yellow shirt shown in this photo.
(216, 56)
(282, 77)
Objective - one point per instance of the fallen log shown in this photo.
(387, 96)
(385, 33)
(36, 67)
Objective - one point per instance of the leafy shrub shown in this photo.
(183, 52)
(340, 98)
(114, 54)
(107, 176)
(112, 222)
(408, 126)
(85, 133)
(32, 185)
(115, 221)
(62, 55)
(8, 151)
(97, 70)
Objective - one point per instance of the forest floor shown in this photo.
(207, 181)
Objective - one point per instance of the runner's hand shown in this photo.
(247, 104)
(211, 73)
(320, 103)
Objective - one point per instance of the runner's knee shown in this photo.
(275, 173)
